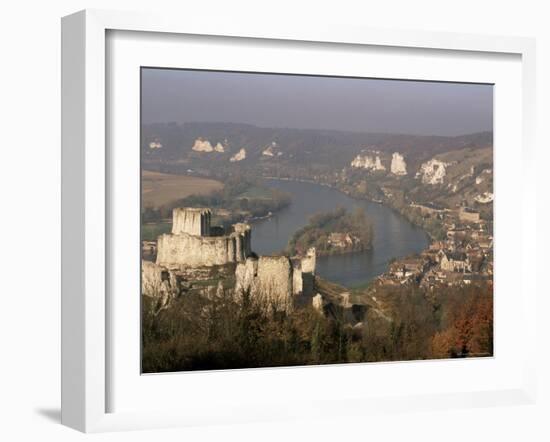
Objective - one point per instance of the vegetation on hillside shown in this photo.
(198, 333)
(241, 198)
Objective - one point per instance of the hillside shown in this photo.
(213, 146)
(396, 168)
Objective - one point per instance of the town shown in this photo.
(463, 257)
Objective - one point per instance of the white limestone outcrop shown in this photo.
(270, 151)
(484, 198)
(219, 148)
(398, 164)
(155, 145)
(202, 146)
(239, 156)
(370, 161)
(432, 172)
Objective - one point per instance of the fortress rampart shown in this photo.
(275, 280)
(190, 243)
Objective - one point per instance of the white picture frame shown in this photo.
(85, 232)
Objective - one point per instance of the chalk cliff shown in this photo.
(484, 198)
(398, 165)
(202, 146)
(239, 156)
(370, 161)
(270, 151)
(432, 172)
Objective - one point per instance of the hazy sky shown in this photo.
(364, 105)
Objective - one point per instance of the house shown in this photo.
(408, 267)
(386, 281)
(454, 262)
(342, 240)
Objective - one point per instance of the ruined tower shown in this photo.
(191, 221)
(275, 280)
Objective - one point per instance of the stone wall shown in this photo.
(309, 261)
(268, 280)
(276, 280)
(196, 251)
(156, 282)
(297, 278)
(243, 233)
(192, 243)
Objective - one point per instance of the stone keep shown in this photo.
(191, 221)
(191, 245)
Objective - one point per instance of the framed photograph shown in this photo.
(270, 223)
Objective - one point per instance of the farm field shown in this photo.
(158, 188)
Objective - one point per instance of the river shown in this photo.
(394, 236)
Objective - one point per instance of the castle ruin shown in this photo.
(276, 280)
(194, 245)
